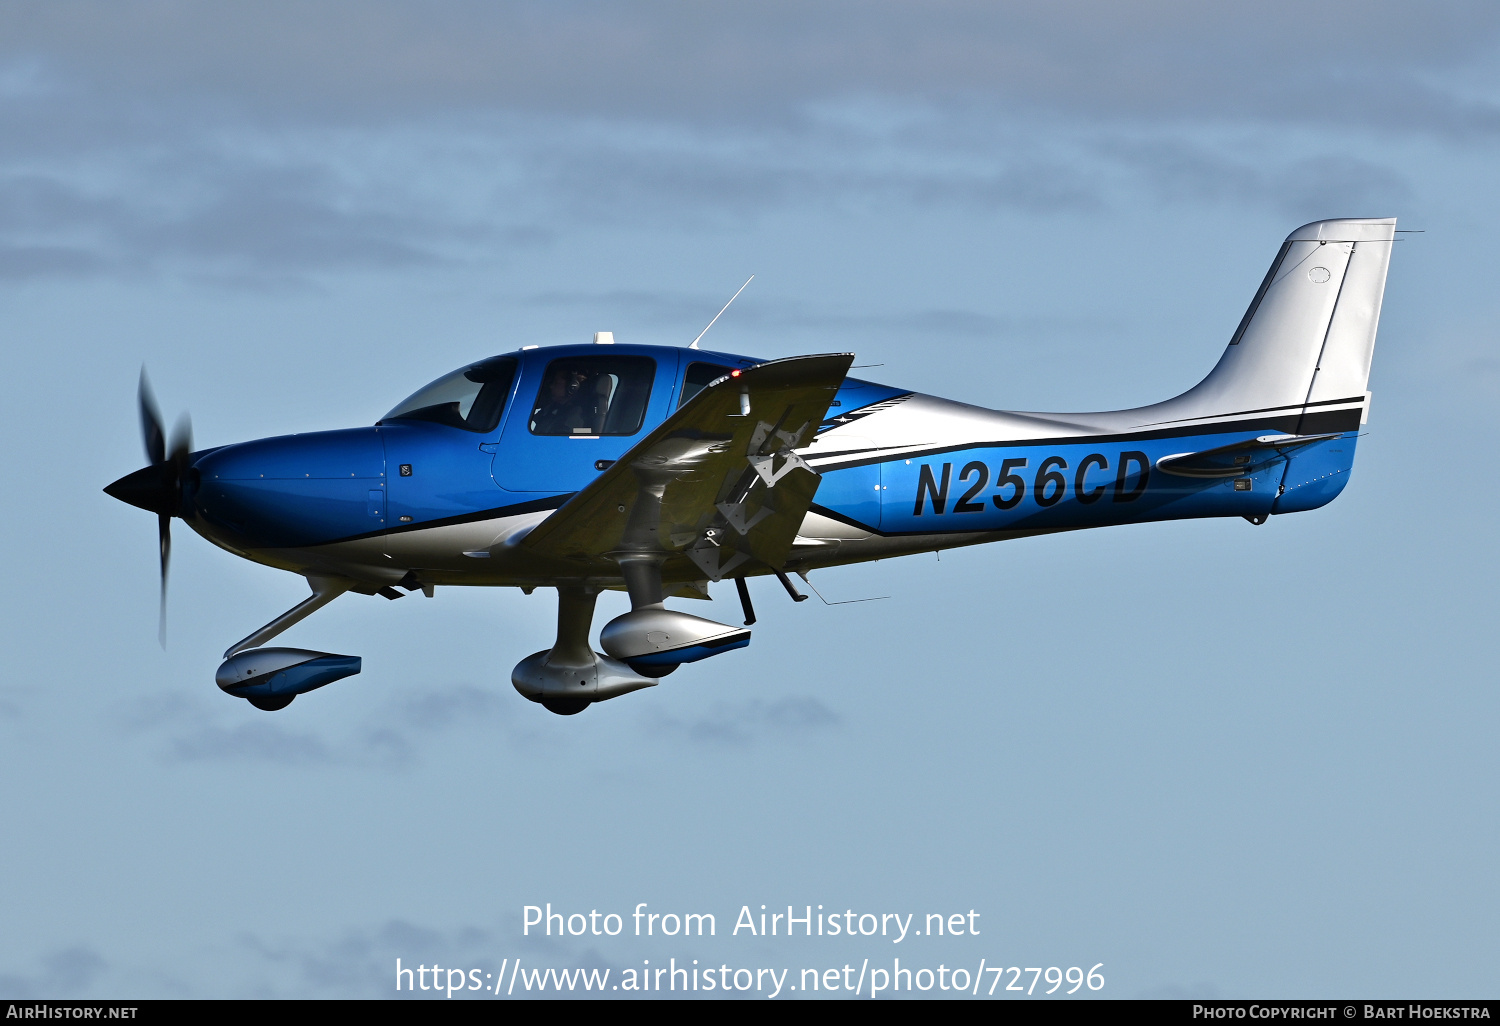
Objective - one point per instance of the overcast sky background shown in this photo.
(1224, 761)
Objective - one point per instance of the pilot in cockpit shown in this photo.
(575, 402)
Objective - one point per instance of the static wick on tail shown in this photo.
(720, 313)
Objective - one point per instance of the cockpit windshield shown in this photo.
(472, 398)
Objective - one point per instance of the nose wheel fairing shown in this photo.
(269, 678)
(266, 676)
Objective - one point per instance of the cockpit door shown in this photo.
(576, 414)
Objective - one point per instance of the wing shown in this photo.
(1239, 458)
(716, 488)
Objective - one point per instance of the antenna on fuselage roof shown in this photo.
(720, 313)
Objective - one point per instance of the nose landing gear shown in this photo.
(269, 678)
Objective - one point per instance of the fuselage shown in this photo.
(439, 494)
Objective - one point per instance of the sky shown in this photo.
(1221, 761)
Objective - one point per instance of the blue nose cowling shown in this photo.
(294, 490)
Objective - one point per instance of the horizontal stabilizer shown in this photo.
(1238, 459)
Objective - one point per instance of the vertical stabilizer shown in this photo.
(1310, 331)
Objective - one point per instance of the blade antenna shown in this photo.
(791, 589)
(720, 313)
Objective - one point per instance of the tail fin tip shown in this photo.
(1346, 229)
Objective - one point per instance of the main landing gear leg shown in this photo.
(570, 676)
(654, 640)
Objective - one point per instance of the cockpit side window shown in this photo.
(472, 398)
(593, 395)
(700, 376)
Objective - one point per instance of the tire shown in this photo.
(270, 703)
(566, 706)
(653, 671)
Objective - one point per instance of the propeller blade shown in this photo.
(164, 536)
(152, 433)
(182, 442)
(158, 486)
(179, 457)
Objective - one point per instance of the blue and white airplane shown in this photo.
(661, 470)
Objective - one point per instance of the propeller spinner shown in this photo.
(158, 487)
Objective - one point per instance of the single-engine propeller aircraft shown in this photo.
(658, 470)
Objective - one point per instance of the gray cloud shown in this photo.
(66, 973)
(11, 702)
(279, 207)
(441, 709)
(725, 176)
(1297, 186)
(392, 736)
(741, 723)
(228, 213)
(251, 741)
(267, 144)
(686, 313)
(22, 261)
(1373, 62)
(361, 961)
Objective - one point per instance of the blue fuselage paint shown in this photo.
(1315, 475)
(314, 489)
(532, 464)
(293, 490)
(436, 472)
(1065, 485)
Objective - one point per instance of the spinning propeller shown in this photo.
(159, 486)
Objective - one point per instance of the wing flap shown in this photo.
(716, 488)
